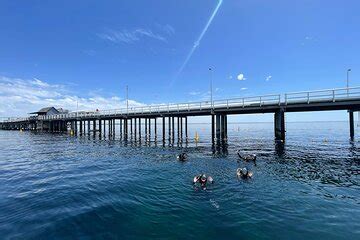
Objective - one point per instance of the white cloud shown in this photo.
(39, 83)
(168, 29)
(194, 93)
(126, 36)
(308, 40)
(205, 95)
(268, 78)
(18, 97)
(89, 52)
(244, 88)
(241, 77)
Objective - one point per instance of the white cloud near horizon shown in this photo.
(241, 77)
(18, 97)
(135, 35)
(268, 78)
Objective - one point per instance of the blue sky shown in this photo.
(63, 52)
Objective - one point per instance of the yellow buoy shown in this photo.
(197, 137)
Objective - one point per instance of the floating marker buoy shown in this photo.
(197, 137)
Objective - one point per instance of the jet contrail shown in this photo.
(197, 43)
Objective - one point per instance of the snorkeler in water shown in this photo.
(247, 157)
(203, 180)
(182, 157)
(244, 173)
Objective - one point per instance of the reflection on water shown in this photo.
(57, 186)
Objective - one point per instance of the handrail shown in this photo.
(324, 90)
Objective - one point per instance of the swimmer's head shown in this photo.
(244, 171)
(203, 177)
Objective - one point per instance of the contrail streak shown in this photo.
(197, 43)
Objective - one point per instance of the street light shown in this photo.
(77, 107)
(127, 99)
(347, 81)
(211, 88)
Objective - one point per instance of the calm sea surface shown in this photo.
(54, 186)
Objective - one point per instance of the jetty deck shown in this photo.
(131, 118)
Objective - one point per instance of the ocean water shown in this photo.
(57, 186)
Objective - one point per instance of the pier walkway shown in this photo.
(130, 118)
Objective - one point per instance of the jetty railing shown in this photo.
(327, 95)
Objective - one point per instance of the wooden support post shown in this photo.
(139, 128)
(146, 130)
(218, 129)
(186, 130)
(100, 126)
(131, 128)
(113, 127)
(222, 127)
(351, 122)
(81, 127)
(155, 129)
(213, 129)
(121, 129)
(178, 128)
(149, 129)
(125, 129)
(94, 126)
(109, 127)
(135, 128)
(169, 128)
(163, 129)
(88, 127)
(279, 122)
(173, 129)
(181, 128)
(104, 127)
(225, 129)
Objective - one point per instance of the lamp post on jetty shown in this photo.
(347, 81)
(127, 99)
(211, 87)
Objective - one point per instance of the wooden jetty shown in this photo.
(130, 120)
